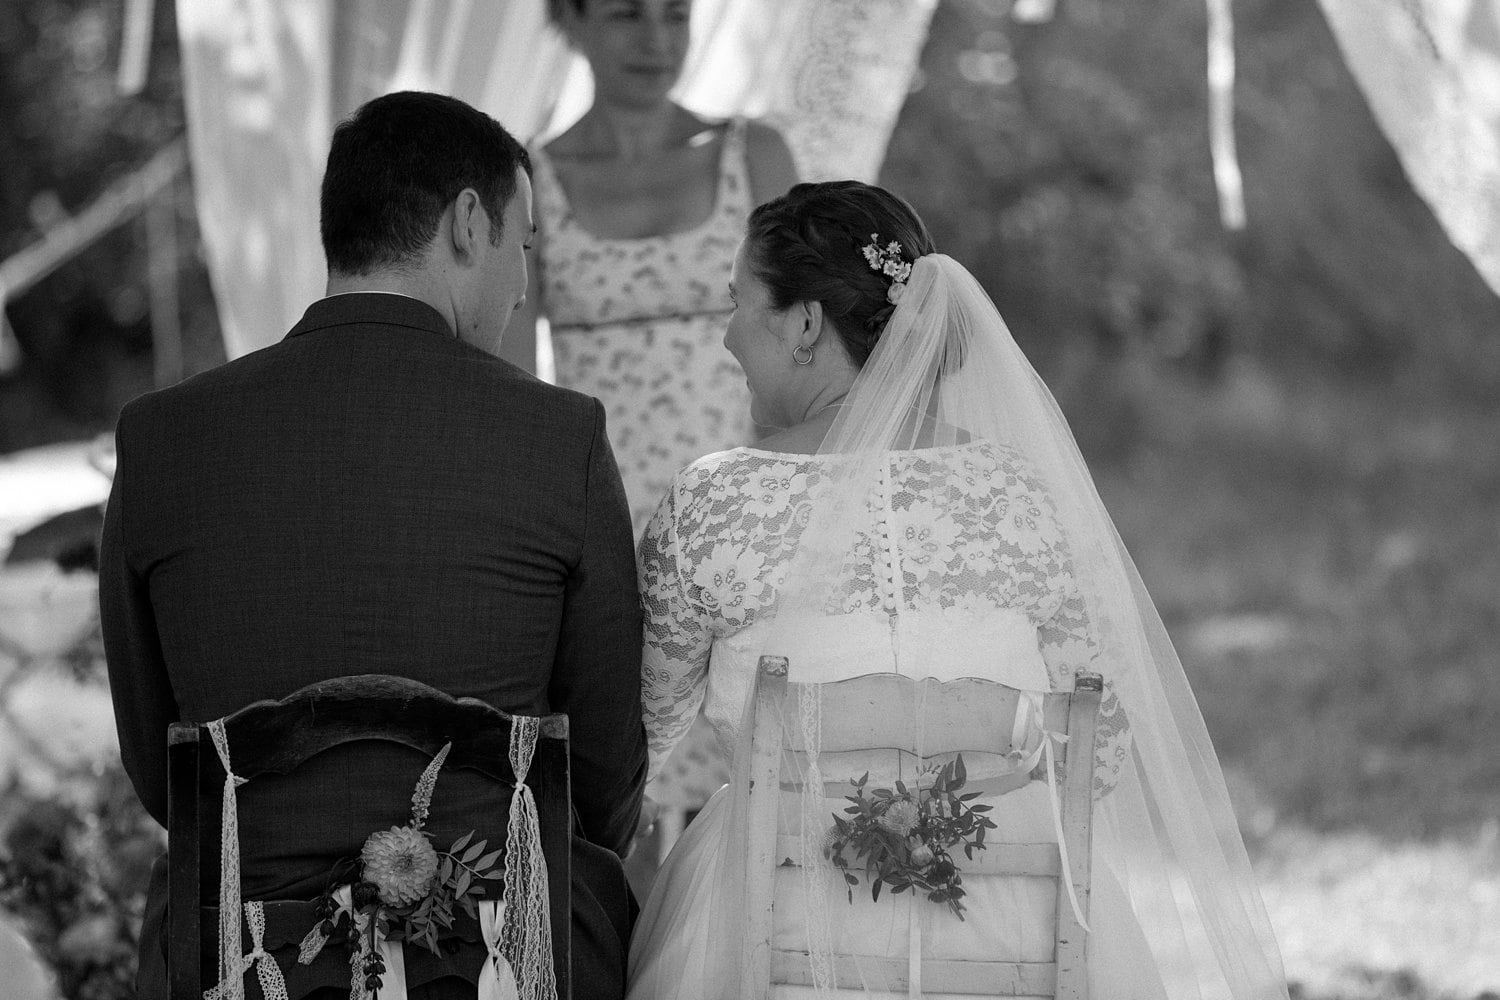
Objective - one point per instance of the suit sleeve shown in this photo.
(597, 675)
(142, 694)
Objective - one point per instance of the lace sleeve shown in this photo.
(1068, 647)
(674, 660)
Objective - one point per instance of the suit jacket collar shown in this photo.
(383, 308)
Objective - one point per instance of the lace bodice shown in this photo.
(965, 573)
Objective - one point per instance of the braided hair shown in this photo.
(806, 246)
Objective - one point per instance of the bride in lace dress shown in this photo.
(922, 511)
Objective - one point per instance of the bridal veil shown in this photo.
(946, 371)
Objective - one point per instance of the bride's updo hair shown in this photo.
(808, 246)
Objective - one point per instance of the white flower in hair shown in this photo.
(889, 262)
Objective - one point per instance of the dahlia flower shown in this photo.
(402, 863)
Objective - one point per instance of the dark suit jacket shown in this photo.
(372, 495)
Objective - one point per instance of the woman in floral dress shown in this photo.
(639, 208)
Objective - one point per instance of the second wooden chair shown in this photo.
(876, 712)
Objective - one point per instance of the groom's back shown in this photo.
(369, 497)
(390, 507)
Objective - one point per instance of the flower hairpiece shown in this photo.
(888, 261)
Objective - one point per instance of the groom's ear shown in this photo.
(470, 224)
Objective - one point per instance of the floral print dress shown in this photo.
(639, 324)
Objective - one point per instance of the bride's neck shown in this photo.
(807, 437)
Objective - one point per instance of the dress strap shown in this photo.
(735, 199)
(551, 200)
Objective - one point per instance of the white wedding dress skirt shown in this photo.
(1006, 918)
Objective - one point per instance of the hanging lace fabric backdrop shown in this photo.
(1431, 72)
(266, 81)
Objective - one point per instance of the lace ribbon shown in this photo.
(497, 981)
(1033, 707)
(230, 970)
(815, 876)
(272, 984)
(526, 926)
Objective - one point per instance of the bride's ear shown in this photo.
(804, 324)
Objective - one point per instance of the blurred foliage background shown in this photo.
(1294, 425)
(1297, 426)
(83, 333)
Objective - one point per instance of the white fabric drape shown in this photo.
(266, 80)
(1431, 72)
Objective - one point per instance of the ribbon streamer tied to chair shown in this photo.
(521, 965)
(272, 983)
(231, 972)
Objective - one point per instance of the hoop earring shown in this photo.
(798, 360)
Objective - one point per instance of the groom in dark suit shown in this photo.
(379, 493)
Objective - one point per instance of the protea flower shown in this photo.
(402, 863)
(900, 817)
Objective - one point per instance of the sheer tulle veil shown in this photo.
(944, 372)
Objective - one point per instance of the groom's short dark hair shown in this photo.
(397, 163)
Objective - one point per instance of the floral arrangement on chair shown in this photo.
(906, 836)
(401, 888)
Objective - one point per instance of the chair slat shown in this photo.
(1042, 860)
(276, 737)
(765, 773)
(1006, 979)
(184, 973)
(1077, 812)
(894, 711)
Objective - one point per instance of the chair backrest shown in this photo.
(276, 737)
(884, 712)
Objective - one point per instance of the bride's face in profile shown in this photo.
(756, 336)
(636, 48)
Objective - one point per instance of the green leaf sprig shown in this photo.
(904, 838)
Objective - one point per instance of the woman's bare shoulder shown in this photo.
(772, 168)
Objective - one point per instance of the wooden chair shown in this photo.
(275, 737)
(875, 712)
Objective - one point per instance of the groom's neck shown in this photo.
(413, 284)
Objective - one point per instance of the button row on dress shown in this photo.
(888, 546)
